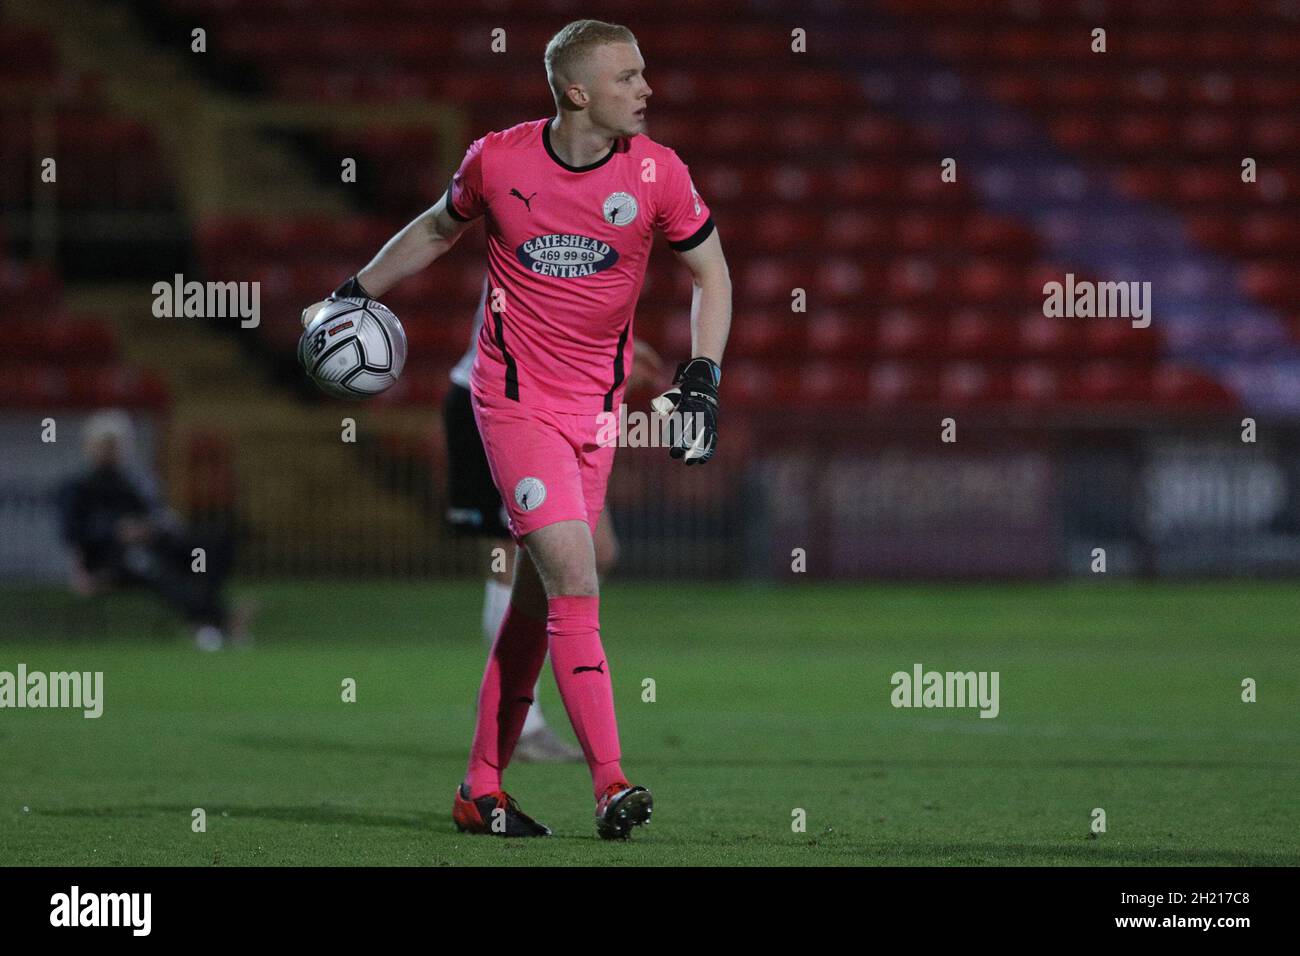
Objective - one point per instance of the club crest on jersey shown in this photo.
(620, 209)
(566, 256)
(530, 493)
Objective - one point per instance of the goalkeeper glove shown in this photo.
(351, 289)
(692, 406)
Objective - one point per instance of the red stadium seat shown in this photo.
(974, 333)
(833, 333)
(769, 334)
(1034, 383)
(902, 332)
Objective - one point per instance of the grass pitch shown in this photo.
(1119, 696)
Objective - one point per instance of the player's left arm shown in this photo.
(710, 298)
(693, 400)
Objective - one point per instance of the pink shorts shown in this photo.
(547, 465)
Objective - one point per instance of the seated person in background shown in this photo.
(122, 536)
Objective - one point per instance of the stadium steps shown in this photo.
(288, 459)
(220, 162)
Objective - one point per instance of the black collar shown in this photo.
(550, 151)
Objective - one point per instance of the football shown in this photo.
(353, 348)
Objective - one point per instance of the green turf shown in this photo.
(1113, 695)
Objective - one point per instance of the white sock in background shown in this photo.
(496, 598)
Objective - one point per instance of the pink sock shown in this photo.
(578, 660)
(504, 698)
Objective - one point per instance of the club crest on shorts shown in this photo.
(530, 493)
(620, 209)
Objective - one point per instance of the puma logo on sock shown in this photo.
(599, 668)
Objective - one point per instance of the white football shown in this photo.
(353, 348)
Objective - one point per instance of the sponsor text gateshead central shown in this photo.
(566, 255)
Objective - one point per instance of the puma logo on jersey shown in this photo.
(527, 200)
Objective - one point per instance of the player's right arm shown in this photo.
(422, 241)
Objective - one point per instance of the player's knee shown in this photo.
(572, 576)
(574, 581)
(564, 558)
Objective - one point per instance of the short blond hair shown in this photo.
(574, 42)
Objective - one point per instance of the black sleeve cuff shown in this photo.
(351, 289)
(690, 242)
(451, 208)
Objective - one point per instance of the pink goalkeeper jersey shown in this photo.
(567, 250)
